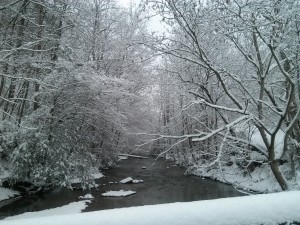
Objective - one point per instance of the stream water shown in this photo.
(163, 183)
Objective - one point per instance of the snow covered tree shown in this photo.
(246, 53)
(72, 74)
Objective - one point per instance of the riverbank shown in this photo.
(267, 209)
(26, 188)
(260, 180)
(6, 193)
(254, 177)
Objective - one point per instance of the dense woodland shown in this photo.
(74, 81)
(82, 81)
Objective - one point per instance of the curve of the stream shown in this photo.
(163, 183)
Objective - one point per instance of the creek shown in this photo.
(163, 183)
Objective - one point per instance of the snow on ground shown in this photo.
(87, 196)
(4, 173)
(257, 140)
(6, 193)
(120, 193)
(120, 157)
(260, 180)
(95, 174)
(267, 209)
(74, 207)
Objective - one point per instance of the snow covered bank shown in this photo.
(74, 207)
(87, 196)
(260, 180)
(256, 209)
(6, 193)
(257, 140)
(95, 174)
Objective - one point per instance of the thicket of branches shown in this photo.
(75, 78)
(71, 81)
(236, 68)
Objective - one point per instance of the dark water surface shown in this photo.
(163, 183)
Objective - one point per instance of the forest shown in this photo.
(217, 90)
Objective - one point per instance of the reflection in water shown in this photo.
(161, 185)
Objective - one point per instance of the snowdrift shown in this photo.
(257, 209)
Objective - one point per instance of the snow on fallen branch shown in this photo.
(218, 159)
(227, 126)
(204, 136)
(258, 147)
(169, 149)
(133, 156)
(202, 101)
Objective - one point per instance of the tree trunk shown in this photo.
(278, 175)
(36, 90)
(40, 20)
(274, 165)
(22, 106)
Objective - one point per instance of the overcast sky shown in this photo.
(154, 23)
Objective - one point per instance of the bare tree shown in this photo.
(245, 50)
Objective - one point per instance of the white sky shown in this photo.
(154, 23)
(126, 3)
